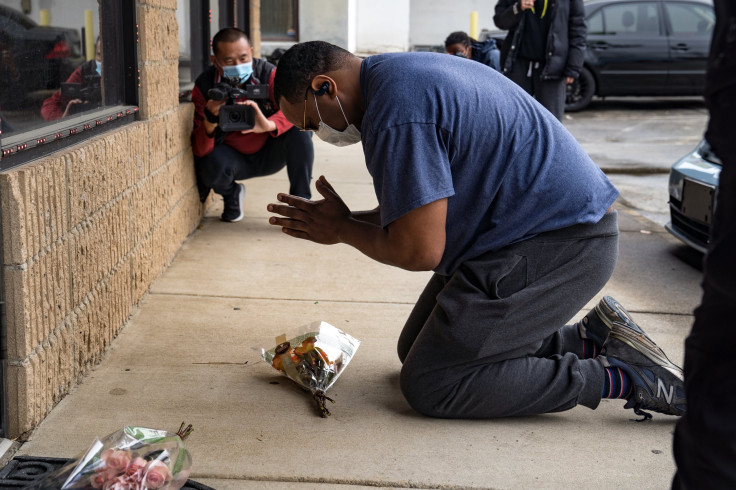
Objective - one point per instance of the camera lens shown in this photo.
(234, 116)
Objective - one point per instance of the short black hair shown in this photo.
(458, 37)
(301, 63)
(228, 35)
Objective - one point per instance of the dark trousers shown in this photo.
(550, 93)
(224, 165)
(705, 437)
(490, 340)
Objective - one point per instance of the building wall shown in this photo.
(432, 20)
(87, 230)
(327, 20)
(383, 26)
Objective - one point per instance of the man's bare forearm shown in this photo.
(372, 216)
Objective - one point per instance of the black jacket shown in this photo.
(565, 43)
(722, 61)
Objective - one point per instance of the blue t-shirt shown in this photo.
(438, 126)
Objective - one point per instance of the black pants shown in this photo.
(490, 340)
(550, 93)
(224, 165)
(705, 438)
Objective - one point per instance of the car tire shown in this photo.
(580, 92)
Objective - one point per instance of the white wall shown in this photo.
(432, 20)
(328, 20)
(379, 26)
(383, 25)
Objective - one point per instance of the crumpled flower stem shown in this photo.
(320, 398)
(184, 432)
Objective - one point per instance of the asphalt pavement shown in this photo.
(188, 354)
(639, 135)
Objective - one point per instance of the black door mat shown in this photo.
(24, 470)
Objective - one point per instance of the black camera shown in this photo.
(88, 92)
(233, 116)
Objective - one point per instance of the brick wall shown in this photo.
(87, 230)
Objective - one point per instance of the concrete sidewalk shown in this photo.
(186, 355)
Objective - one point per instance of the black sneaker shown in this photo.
(234, 204)
(658, 384)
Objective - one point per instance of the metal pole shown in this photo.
(3, 340)
(254, 26)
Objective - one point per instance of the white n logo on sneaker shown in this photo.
(662, 390)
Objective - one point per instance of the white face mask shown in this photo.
(349, 136)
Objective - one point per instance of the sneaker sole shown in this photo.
(627, 330)
(610, 308)
(647, 348)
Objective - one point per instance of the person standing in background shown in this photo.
(705, 438)
(544, 48)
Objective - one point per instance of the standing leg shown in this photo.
(519, 75)
(551, 94)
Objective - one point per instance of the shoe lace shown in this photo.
(653, 404)
(641, 413)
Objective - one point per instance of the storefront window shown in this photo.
(279, 20)
(63, 65)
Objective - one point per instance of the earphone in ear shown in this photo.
(323, 89)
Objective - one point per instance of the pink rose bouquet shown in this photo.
(133, 458)
(314, 359)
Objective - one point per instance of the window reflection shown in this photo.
(79, 93)
(279, 20)
(48, 69)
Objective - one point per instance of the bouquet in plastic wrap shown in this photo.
(313, 359)
(132, 458)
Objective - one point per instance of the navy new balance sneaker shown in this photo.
(658, 384)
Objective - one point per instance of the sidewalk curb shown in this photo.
(636, 170)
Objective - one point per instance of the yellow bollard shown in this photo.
(44, 17)
(474, 25)
(89, 35)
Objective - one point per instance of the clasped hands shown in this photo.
(318, 221)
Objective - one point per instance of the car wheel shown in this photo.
(580, 92)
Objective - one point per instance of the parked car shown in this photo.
(641, 48)
(44, 55)
(693, 190)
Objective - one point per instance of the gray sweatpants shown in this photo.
(490, 341)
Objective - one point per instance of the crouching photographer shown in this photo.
(81, 91)
(239, 133)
